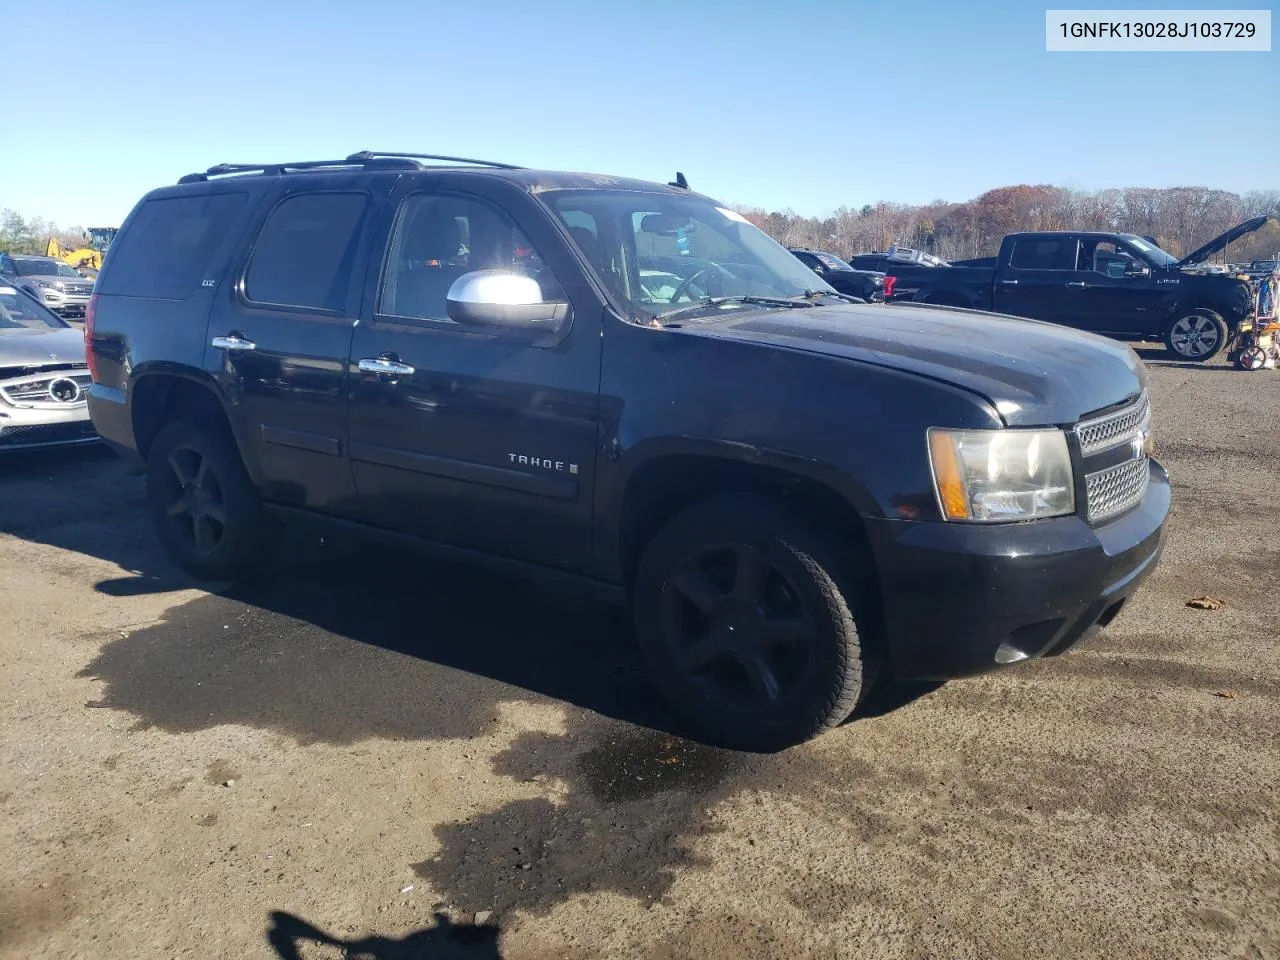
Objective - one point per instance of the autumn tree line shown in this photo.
(1179, 218)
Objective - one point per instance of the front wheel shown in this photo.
(1197, 335)
(753, 623)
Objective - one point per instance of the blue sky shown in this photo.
(808, 105)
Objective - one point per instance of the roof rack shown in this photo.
(280, 169)
(364, 156)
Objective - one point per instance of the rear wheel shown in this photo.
(749, 618)
(1198, 335)
(203, 505)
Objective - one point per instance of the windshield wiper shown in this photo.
(706, 302)
(810, 294)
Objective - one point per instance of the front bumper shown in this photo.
(963, 599)
(33, 429)
(64, 304)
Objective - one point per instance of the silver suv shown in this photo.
(49, 280)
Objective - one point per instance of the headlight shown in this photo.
(43, 283)
(988, 476)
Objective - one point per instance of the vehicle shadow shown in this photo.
(1160, 357)
(356, 646)
(444, 941)
(336, 618)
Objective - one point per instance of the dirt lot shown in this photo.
(381, 750)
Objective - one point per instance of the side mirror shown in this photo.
(503, 300)
(1136, 269)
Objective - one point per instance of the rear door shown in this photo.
(1037, 280)
(481, 440)
(280, 334)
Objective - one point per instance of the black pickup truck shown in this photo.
(628, 387)
(1119, 285)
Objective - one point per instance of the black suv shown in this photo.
(628, 386)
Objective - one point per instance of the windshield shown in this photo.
(658, 253)
(43, 268)
(20, 312)
(1153, 253)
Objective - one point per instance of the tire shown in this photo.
(213, 527)
(1251, 358)
(1197, 335)
(749, 619)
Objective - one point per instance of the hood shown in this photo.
(34, 348)
(1219, 243)
(1033, 373)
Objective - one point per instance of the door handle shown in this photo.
(1079, 284)
(233, 342)
(383, 365)
(1010, 283)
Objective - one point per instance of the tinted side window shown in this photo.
(1044, 253)
(168, 246)
(440, 238)
(305, 253)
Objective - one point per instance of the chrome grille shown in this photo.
(1111, 430)
(1113, 491)
(37, 389)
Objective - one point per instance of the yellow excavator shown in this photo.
(87, 259)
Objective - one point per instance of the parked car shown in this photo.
(796, 494)
(43, 377)
(1258, 269)
(865, 284)
(1114, 284)
(52, 282)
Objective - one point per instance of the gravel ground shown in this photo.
(369, 756)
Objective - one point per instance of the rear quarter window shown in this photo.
(168, 246)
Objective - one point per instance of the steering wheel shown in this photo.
(685, 285)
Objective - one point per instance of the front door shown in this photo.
(280, 334)
(464, 436)
(1035, 282)
(1111, 293)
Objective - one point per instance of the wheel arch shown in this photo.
(160, 395)
(659, 487)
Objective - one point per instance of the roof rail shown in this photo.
(365, 156)
(280, 169)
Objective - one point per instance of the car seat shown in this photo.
(425, 275)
